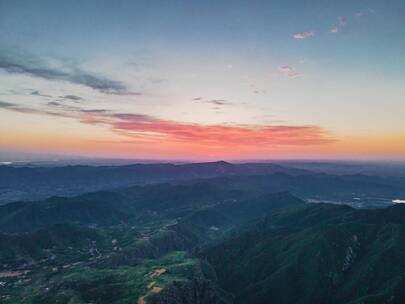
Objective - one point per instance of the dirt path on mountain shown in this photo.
(157, 272)
(154, 289)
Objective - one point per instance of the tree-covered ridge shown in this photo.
(221, 240)
(316, 254)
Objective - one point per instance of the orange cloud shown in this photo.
(149, 130)
(143, 136)
(143, 126)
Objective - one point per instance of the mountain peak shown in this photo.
(222, 162)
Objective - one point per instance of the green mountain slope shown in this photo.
(316, 254)
(223, 240)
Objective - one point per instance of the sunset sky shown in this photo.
(204, 79)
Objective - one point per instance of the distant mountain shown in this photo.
(361, 191)
(33, 183)
(376, 168)
(37, 183)
(140, 204)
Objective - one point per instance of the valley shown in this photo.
(227, 239)
(202, 152)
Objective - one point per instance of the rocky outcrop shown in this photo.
(195, 291)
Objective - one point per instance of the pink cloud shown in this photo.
(303, 35)
(289, 71)
(342, 22)
(141, 128)
(334, 29)
(285, 68)
(155, 130)
(220, 135)
(293, 75)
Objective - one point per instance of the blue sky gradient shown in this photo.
(333, 65)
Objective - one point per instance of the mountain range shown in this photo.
(219, 233)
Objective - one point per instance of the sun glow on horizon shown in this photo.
(237, 82)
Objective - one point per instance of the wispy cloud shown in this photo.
(219, 135)
(19, 64)
(341, 23)
(334, 29)
(285, 68)
(30, 110)
(54, 104)
(293, 75)
(6, 105)
(303, 35)
(289, 72)
(17, 108)
(37, 93)
(125, 93)
(365, 12)
(71, 97)
(140, 127)
(217, 102)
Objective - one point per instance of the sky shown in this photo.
(204, 79)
